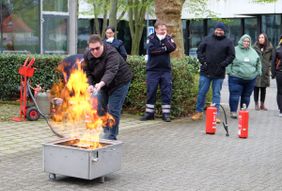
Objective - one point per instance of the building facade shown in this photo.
(52, 27)
(38, 26)
(240, 16)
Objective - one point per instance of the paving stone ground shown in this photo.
(159, 156)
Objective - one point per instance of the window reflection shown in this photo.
(55, 5)
(19, 23)
(196, 35)
(271, 26)
(251, 28)
(55, 34)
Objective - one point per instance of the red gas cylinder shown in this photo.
(211, 119)
(243, 123)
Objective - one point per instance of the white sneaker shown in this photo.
(280, 114)
(233, 115)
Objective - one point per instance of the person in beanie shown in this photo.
(276, 70)
(265, 49)
(215, 53)
(158, 71)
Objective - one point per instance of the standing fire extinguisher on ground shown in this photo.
(211, 119)
(243, 122)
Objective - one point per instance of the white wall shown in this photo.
(235, 8)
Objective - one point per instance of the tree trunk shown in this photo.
(136, 16)
(113, 14)
(169, 11)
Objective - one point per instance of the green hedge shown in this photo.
(185, 81)
(10, 79)
(185, 86)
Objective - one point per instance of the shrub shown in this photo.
(10, 79)
(185, 81)
(185, 86)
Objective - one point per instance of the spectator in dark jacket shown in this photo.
(110, 76)
(118, 44)
(265, 49)
(215, 52)
(276, 70)
(158, 71)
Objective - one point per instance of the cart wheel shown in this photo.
(52, 176)
(32, 114)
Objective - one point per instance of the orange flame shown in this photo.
(78, 105)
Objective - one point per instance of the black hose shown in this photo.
(225, 124)
(44, 117)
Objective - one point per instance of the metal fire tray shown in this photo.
(70, 160)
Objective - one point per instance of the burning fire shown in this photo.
(76, 104)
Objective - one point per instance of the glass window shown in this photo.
(83, 31)
(19, 21)
(234, 30)
(251, 28)
(55, 30)
(55, 5)
(123, 33)
(195, 36)
(271, 26)
(211, 24)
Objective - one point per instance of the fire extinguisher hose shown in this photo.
(225, 124)
(44, 117)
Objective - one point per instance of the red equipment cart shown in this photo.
(26, 112)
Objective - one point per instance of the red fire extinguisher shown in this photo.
(211, 119)
(243, 122)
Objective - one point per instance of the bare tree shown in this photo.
(136, 17)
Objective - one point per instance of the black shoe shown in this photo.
(147, 116)
(166, 118)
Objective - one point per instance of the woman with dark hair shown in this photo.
(118, 44)
(276, 70)
(265, 49)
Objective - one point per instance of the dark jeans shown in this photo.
(113, 105)
(279, 90)
(239, 89)
(262, 91)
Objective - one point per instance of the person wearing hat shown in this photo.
(276, 70)
(215, 53)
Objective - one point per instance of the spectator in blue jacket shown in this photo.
(158, 71)
(118, 44)
(215, 53)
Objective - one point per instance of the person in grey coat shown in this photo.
(265, 49)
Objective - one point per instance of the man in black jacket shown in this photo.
(159, 46)
(110, 76)
(215, 52)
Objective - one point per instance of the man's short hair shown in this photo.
(159, 23)
(94, 38)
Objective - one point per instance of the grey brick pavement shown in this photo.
(159, 156)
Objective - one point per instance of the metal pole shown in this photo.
(147, 18)
(1, 28)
